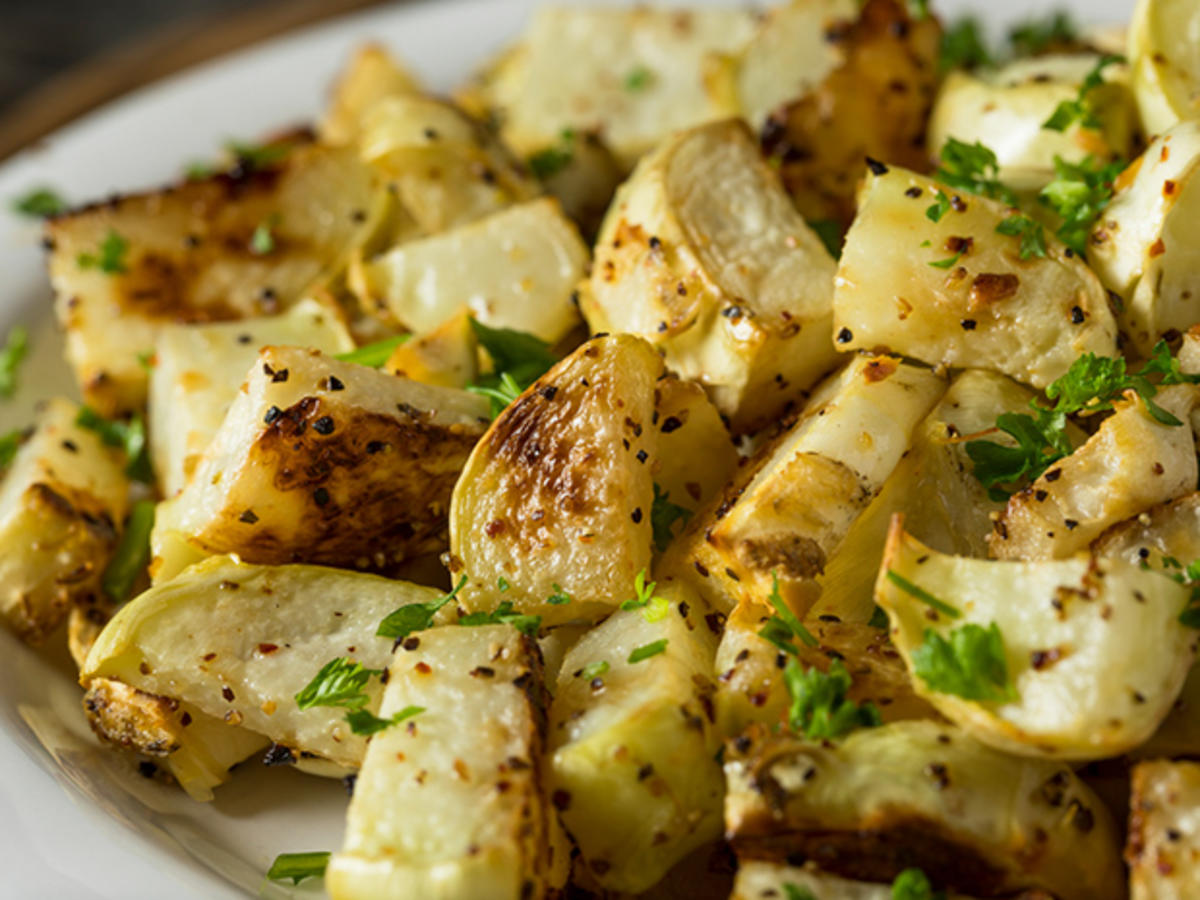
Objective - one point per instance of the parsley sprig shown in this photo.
(1090, 386)
(911, 884)
(505, 614)
(299, 866)
(781, 628)
(339, 683)
(129, 435)
(1081, 107)
(16, 347)
(1036, 36)
(819, 709)
(1029, 230)
(373, 355)
(132, 555)
(973, 168)
(415, 616)
(109, 257)
(551, 160)
(654, 609)
(963, 46)
(1079, 193)
(969, 663)
(518, 360)
(365, 722)
(663, 516)
(40, 203)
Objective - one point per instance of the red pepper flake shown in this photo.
(267, 648)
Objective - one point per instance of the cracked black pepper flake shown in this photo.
(636, 515)
(320, 496)
(279, 755)
(876, 167)
(671, 423)
(272, 414)
(845, 336)
(333, 383)
(248, 517)
(323, 425)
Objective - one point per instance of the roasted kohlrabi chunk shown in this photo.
(239, 642)
(1166, 67)
(634, 75)
(787, 511)
(1006, 109)
(1133, 462)
(62, 505)
(516, 268)
(923, 795)
(1145, 245)
(371, 75)
(703, 255)
(926, 274)
(236, 245)
(557, 496)
(1080, 658)
(1164, 834)
(197, 370)
(442, 809)
(632, 741)
(330, 462)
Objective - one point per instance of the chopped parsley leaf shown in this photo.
(963, 46)
(1030, 231)
(819, 709)
(911, 884)
(132, 554)
(949, 262)
(502, 584)
(129, 436)
(646, 651)
(364, 722)
(1036, 36)
(972, 167)
(16, 346)
(551, 160)
(504, 614)
(938, 209)
(1089, 386)
(110, 258)
(40, 203)
(373, 355)
(518, 360)
(559, 597)
(831, 234)
(782, 627)
(1081, 109)
(1079, 193)
(262, 241)
(919, 593)
(663, 516)
(10, 443)
(415, 616)
(594, 670)
(638, 79)
(339, 683)
(299, 866)
(971, 664)
(644, 592)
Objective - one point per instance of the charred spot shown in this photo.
(323, 426)
(279, 755)
(990, 288)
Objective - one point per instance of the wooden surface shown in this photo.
(164, 52)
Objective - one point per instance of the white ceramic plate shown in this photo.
(76, 821)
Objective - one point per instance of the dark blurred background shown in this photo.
(60, 58)
(39, 38)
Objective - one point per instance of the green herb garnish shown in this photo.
(109, 258)
(559, 597)
(963, 46)
(1090, 386)
(130, 436)
(648, 650)
(415, 616)
(504, 614)
(972, 167)
(10, 443)
(132, 555)
(970, 664)
(518, 360)
(911, 884)
(339, 683)
(1079, 193)
(1036, 36)
(40, 203)
(367, 723)
(819, 709)
(782, 627)
(373, 355)
(949, 262)
(299, 866)
(919, 593)
(553, 159)
(1081, 109)
(15, 349)
(638, 79)
(663, 516)
(831, 234)
(594, 670)
(262, 241)
(1030, 231)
